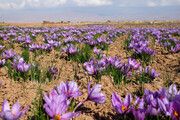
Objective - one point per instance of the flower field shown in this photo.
(87, 72)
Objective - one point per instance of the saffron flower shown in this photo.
(176, 110)
(154, 74)
(23, 67)
(8, 54)
(1, 47)
(95, 95)
(97, 51)
(119, 106)
(139, 115)
(72, 50)
(132, 64)
(12, 114)
(53, 71)
(2, 62)
(165, 106)
(70, 89)
(56, 106)
(91, 69)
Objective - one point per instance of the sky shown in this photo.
(33, 11)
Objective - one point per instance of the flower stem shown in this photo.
(79, 105)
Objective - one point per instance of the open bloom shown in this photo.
(91, 69)
(56, 106)
(23, 67)
(173, 92)
(132, 63)
(95, 95)
(13, 114)
(70, 89)
(2, 62)
(1, 47)
(154, 74)
(139, 115)
(119, 106)
(97, 51)
(176, 110)
(72, 49)
(8, 54)
(53, 71)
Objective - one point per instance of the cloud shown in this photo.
(53, 3)
(12, 5)
(149, 3)
(92, 2)
(33, 3)
(45, 3)
(21, 4)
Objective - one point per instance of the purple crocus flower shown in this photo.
(149, 51)
(95, 95)
(147, 69)
(117, 63)
(97, 51)
(2, 62)
(23, 67)
(53, 95)
(176, 48)
(119, 106)
(139, 115)
(27, 41)
(165, 106)
(65, 50)
(70, 89)
(56, 106)
(132, 64)
(26, 67)
(173, 90)
(154, 74)
(104, 62)
(53, 71)
(8, 54)
(141, 70)
(72, 50)
(176, 110)
(91, 69)
(1, 47)
(152, 103)
(13, 114)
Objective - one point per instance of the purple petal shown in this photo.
(48, 111)
(173, 89)
(5, 106)
(89, 85)
(16, 108)
(68, 115)
(116, 98)
(127, 100)
(46, 98)
(96, 89)
(8, 115)
(1, 115)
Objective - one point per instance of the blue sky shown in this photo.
(88, 10)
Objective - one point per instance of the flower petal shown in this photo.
(5, 106)
(127, 100)
(68, 115)
(15, 108)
